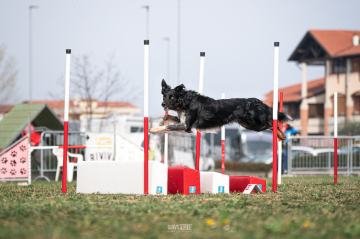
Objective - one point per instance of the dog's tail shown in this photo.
(282, 117)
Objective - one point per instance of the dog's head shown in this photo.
(171, 97)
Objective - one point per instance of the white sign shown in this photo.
(99, 154)
(251, 187)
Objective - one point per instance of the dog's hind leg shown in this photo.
(280, 134)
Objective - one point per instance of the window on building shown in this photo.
(292, 109)
(356, 99)
(316, 110)
(340, 106)
(339, 66)
(135, 129)
(355, 64)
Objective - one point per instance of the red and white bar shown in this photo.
(146, 116)
(72, 147)
(223, 144)
(280, 143)
(275, 110)
(335, 137)
(201, 86)
(66, 117)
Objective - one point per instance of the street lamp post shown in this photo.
(168, 59)
(178, 73)
(30, 67)
(147, 21)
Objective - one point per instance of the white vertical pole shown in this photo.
(223, 143)
(166, 145)
(29, 148)
(201, 85)
(201, 78)
(280, 162)
(276, 79)
(66, 118)
(67, 85)
(114, 136)
(275, 112)
(335, 114)
(335, 137)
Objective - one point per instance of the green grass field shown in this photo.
(309, 207)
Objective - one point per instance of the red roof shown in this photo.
(293, 93)
(6, 108)
(53, 104)
(337, 42)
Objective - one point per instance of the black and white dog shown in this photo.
(208, 115)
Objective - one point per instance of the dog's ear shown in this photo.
(179, 88)
(164, 86)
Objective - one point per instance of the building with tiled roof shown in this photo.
(79, 108)
(311, 103)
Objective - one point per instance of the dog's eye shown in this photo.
(172, 97)
(163, 97)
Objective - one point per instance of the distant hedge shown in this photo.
(244, 167)
(350, 129)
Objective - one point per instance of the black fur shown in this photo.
(206, 114)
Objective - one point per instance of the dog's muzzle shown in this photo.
(165, 108)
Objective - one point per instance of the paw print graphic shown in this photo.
(12, 172)
(22, 148)
(4, 160)
(3, 170)
(13, 153)
(23, 171)
(22, 160)
(13, 163)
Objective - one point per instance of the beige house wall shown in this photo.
(354, 84)
(337, 82)
(317, 99)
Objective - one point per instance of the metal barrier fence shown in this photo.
(184, 143)
(48, 161)
(315, 155)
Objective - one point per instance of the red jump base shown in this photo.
(183, 180)
(239, 183)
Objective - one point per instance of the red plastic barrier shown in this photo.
(239, 183)
(183, 180)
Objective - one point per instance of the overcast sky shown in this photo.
(237, 37)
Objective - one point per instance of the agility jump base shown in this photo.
(239, 183)
(120, 177)
(183, 180)
(211, 182)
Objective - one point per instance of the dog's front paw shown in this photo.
(156, 130)
(161, 122)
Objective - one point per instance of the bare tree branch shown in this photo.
(8, 78)
(104, 85)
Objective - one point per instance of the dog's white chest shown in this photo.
(182, 118)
